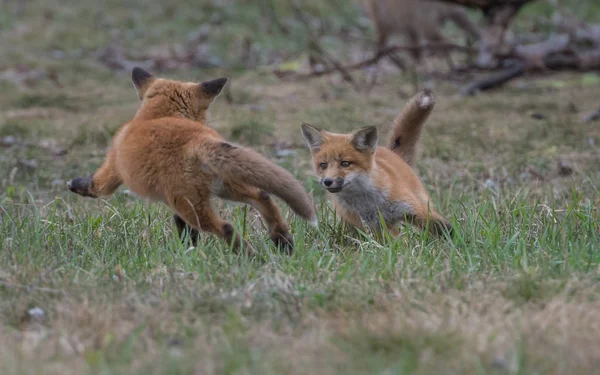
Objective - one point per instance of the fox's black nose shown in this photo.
(328, 182)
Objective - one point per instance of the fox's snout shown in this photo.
(333, 185)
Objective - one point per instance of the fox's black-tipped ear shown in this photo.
(213, 87)
(365, 139)
(141, 80)
(313, 136)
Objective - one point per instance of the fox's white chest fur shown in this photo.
(360, 196)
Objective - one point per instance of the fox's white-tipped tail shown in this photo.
(314, 223)
(407, 126)
(426, 99)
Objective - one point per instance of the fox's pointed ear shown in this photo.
(313, 136)
(141, 80)
(213, 87)
(365, 139)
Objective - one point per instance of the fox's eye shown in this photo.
(346, 164)
(323, 165)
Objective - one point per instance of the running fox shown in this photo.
(366, 181)
(167, 153)
(419, 20)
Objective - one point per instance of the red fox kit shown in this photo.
(167, 153)
(419, 20)
(367, 182)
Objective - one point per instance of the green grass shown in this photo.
(514, 291)
(113, 278)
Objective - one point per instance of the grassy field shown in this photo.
(105, 286)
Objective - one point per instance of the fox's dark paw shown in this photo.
(443, 227)
(81, 186)
(185, 230)
(284, 241)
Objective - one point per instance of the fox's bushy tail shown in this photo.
(242, 164)
(407, 126)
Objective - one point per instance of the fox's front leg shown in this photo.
(102, 183)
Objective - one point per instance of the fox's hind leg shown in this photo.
(427, 218)
(183, 228)
(264, 203)
(102, 183)
(200, 216)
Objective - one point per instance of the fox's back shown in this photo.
(155, 154)
(400, 179)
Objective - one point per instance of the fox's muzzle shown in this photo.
(333, 185)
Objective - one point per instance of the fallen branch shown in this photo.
(589, 60)
(556, 53)
(493, 80)
(592, 116)
(576, 48)
(498, 14)
(534, 55)
(369, 61)
(589, 33)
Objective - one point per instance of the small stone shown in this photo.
(36, 313)
(538, 116)
(8, 141)
(490, 184)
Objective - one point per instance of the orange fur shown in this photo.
(167, 153)
(407, 126)
(366, 182)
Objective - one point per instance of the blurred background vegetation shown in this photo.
(105, 286)
(64, 37)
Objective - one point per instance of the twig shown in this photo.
(371, 60)
(273, 17)
(316, 46)
(337, 66)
